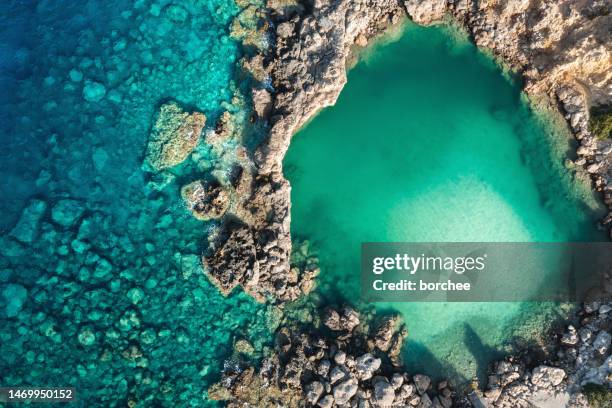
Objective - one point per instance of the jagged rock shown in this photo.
(174, 136)
(234, 261)
(337, 373)
(384, 332)
(326, 402)
(426, 11)
(323, 368)
(570, 337)
(340, 357)
(262, 102)
(206, 200)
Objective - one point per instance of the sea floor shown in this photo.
(430, 141)
(101, 287)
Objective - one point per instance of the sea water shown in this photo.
(101, 287)
(431, 141)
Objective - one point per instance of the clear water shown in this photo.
(430, 141)
(109, 297)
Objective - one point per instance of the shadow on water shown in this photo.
(433, 364)
(481, 352)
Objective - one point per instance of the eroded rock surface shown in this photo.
(174, 136)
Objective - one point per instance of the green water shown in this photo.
(430, 141)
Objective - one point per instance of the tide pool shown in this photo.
(431, 141)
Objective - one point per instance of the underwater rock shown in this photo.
(66, 212)
(15, 296)
(93, 91)
(99, 157)
(206, 200)
(174, 136)
(26, 229)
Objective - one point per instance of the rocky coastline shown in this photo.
(562, 51)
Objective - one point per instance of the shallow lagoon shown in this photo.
(431, 141)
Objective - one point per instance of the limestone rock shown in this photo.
(206, 200)
(545, 376)
(425, 11)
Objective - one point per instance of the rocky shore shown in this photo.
(345, 362)
(562, 51)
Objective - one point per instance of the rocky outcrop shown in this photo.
(174, 136)
(207, 200)
(578, 357)
(344, 368)
(561, 49)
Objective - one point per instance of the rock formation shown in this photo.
(174, 136)
(343, 368)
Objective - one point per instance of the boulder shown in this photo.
(545, 376)
(344, 391)
(384, 394)
(93, 91)
(314, 390)
(366, 365)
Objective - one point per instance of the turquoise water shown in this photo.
(431, 141)
(100, 284)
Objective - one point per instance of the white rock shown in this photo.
(545, 376)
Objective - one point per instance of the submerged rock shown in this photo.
(66, 212)
(14, 296)
(174, 136)
(26, 229)
(93, 91)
